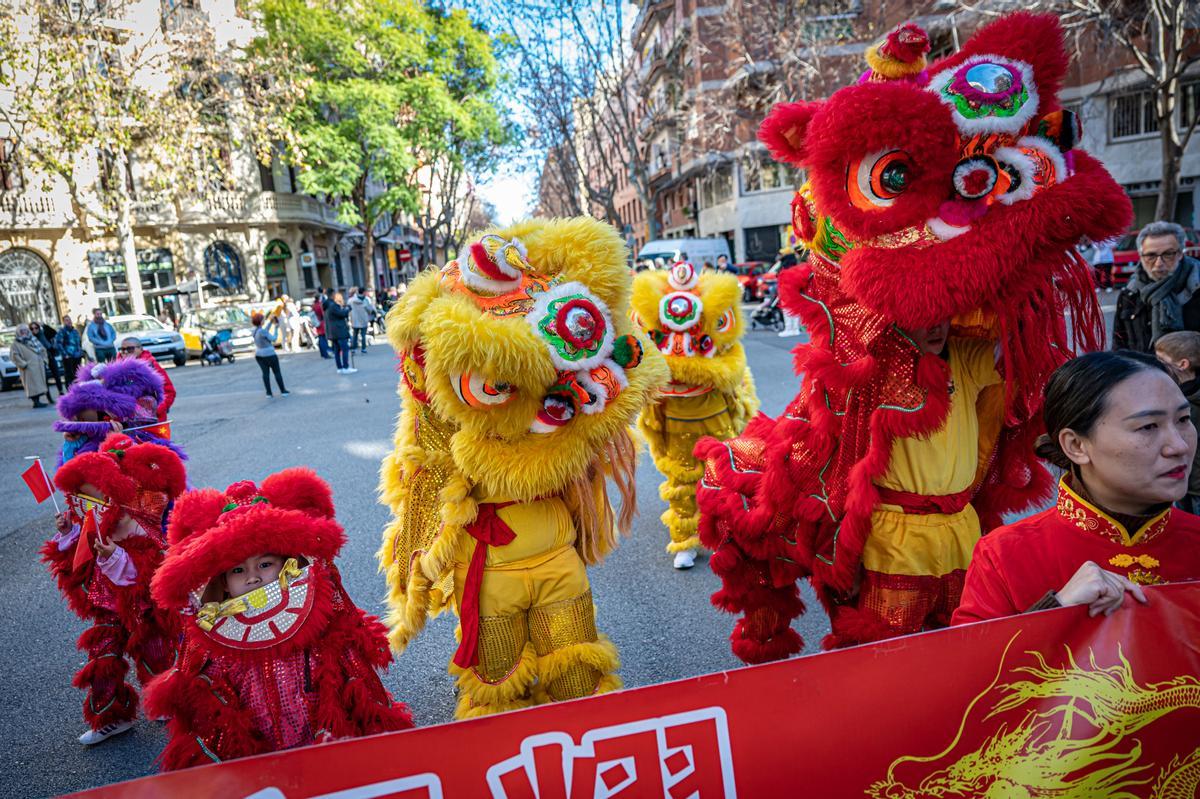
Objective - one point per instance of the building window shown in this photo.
(760, 172)
(717, 186)
(10, 168)
(265, 179)
(26, 291)
(1189, 104)
(223, 266)
(1132, 115)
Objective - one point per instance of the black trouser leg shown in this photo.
(274, 361)
(70, 367)
(264, 364)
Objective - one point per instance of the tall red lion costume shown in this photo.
(289, 664)
(129, 491)
(949, 192)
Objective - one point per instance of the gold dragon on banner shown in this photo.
(1074, 739)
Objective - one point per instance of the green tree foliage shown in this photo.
(397, 87)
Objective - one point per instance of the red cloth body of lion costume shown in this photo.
(128, 489)
(953, 192)
(291, 663)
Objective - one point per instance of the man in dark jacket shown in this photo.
(1164, 294)
(337, 330)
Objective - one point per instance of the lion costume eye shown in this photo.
(877, 179)
(725, 321)
(477, 392)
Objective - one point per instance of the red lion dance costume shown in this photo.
(948, 193)
(121, 494)
(288, 664)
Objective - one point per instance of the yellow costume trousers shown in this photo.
(671, 428)
(537, 627)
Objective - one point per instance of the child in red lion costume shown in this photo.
(275, 653)
(941, 214)
(109, 544)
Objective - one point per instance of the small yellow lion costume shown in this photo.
(695, 320)
(521, 376)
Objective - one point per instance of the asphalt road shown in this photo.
(341, 426)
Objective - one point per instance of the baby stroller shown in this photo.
(768, 314)
(216, 348)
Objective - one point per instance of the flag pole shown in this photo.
(53, 490)
(146, 426)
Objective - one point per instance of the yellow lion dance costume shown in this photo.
(521, 377)
(695, 320)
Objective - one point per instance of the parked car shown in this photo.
(10, 376)
(1125, 254)
(197, 325)
(696, 250)
(749, 274)
(158, 339)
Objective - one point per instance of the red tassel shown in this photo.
(488, 529)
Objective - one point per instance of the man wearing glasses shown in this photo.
(1164, 293)
(131, 347)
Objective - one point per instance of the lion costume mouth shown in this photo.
(264, 617)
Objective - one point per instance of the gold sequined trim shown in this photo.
(501, 642)
(559, 625)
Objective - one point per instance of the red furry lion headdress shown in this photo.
(289, 514)
(139, 479)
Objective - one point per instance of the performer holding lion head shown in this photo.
(695, 320)
(521, 375)
(942, 209)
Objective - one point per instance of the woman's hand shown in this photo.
(1102, 591)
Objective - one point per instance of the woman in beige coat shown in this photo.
(30, 357)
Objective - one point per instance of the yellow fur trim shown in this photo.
(889, 67)
(482, 698)
(691, 542)
(600, 655)
(408, 616)
(744, 403)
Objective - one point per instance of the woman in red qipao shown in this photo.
(1120, 426)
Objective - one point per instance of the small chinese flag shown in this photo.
(163, 430)
(35, 478)
(83, 547)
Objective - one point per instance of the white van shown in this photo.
(695, 250)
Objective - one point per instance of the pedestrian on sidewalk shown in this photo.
(102, 336)
(337, 330)
(318, 307)
(362, 311)
(1164, 294)
(130, 347)
(45, 335)
(70, 348)
(30, 357)
(264, 353)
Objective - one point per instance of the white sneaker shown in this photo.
(351, 371)
(685, 559)
(93, 737)
(341, 371)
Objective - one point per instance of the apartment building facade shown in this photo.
(256, 237)
(701, 64)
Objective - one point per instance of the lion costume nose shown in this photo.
(975, 177)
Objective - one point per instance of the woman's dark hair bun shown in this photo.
(1048, 450)
(1077, 394)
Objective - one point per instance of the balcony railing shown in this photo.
(34, 209)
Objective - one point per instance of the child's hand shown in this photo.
(104, 549)
(116, 426)
(62, 521)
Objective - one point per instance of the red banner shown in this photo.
(1047, 704)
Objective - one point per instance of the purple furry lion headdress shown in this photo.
(112, 390)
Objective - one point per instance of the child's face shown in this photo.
(252, 573)
(931, 339)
